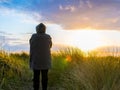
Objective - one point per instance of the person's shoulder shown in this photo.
(47, 35)
(34, 35)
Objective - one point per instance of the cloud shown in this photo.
(1, 41)
(13, 42)
(71, 14)
(114, 20)
(85, 3)
(26, 17)
(16, 48)
(1, 32)
(89, 4)
(103, 15)
(30, 18)
(67, 8)
(14, 39)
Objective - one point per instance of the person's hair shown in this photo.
(41, 28)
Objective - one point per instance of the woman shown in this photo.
(40, 56)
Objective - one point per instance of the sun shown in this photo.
(85, 39)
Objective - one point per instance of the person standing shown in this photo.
(40, 56)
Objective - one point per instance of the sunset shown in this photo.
(84, 37)
(87, 24)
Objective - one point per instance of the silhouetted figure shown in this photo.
(40, 56)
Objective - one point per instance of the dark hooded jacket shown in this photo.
(40, 55)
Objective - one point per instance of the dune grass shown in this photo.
(13, 71)
(71, 69)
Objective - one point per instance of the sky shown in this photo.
(86, 24)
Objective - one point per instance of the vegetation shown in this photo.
(72, 70)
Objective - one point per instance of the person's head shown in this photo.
(41, 28)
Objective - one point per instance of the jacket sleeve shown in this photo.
(50, 42)
(30, 52)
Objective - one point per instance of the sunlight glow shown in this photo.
(84, 39)
(87, 40)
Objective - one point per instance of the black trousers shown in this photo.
(36, 79)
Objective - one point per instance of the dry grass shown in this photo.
(72, 70)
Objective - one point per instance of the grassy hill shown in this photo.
(72, 69)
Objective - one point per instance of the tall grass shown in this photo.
(72, 69)
(13, 70)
